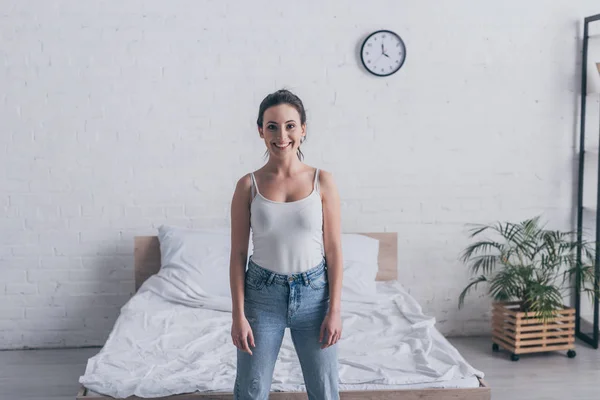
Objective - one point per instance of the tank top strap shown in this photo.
(316, 184)
(254, 187)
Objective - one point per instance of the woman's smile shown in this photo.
(283, 146)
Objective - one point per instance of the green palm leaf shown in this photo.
(472, 285)
(524, 261)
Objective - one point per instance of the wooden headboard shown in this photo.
(147, 256)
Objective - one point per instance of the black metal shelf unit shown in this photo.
(593, 338)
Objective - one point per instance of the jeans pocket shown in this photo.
(255, 281)
(320, 281)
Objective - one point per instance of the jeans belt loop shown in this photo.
(305, 278)
(271, 277)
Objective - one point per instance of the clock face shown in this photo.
(383, 53)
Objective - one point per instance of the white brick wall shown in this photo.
(116, 117)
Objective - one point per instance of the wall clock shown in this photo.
(383, 53)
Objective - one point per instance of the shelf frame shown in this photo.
(592, 339)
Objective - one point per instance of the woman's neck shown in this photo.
(286, 167)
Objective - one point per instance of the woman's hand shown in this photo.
(241, 334)
(331, 329)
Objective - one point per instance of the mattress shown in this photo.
(159, 347)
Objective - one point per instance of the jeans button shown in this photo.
(291, 279)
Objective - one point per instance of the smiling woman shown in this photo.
(294, 274)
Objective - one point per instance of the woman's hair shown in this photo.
(282, 96)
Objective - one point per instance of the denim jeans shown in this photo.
(273, 302)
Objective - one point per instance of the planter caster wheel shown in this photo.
(514, 357)
(571, 354)
(495, 347)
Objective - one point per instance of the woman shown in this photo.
(294, 276)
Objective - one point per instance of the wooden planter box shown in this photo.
(520, 332)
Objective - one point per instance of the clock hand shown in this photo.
(383, 51)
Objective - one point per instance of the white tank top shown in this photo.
(287, 236)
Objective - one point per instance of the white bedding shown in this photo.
(158, 347)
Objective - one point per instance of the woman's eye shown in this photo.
(291, 126)
(271, 127)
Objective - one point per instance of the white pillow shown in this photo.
(360, 254)
(197, 258)
(362, 249)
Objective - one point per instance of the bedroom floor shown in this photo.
(53, 374)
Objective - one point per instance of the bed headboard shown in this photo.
(147, 256)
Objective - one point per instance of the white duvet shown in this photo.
(163, 344)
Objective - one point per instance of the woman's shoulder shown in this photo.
(326, 183)
(244, 182)
(243, 188)
(323, 171)
(325, 176)
(244, 179)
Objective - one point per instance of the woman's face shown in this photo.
(282, 130)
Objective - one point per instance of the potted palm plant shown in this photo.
(528, 269)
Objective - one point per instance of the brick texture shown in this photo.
(118, 117)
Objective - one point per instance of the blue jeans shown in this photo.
(273, 302)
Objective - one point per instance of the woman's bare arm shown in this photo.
(240, 234)
(332, 238)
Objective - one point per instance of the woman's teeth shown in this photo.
(282, 146)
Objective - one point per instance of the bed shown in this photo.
(444, 375)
